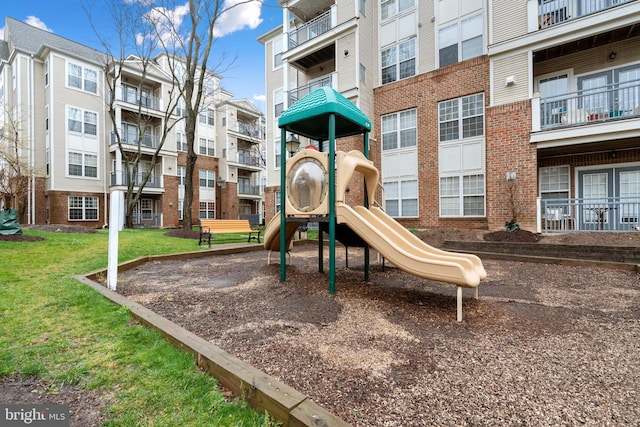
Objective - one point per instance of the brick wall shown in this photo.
(59, 212)
(509, 150)
(423, 92)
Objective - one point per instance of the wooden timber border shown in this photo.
(261, 391)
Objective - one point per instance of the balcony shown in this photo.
(247, 158)
(310, 29)
(302, 91)
(154, 181)
(603, 214)
(132, 139)
(553, 12)
(250, 130)
(130, 95)
(608, 103)
(250, 190)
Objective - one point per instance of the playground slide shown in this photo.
(419, 244)
(403, 253)
(272, 233)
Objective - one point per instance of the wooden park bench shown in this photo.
(209, 227)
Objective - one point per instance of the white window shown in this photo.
(399, 130)
(82, 164)
(461, 118)
(401, 198)
(180, 209)
(182, 173)
(83, 208)
(461, 40)
(207, 178)
(206, 147)
(82, 121)
(46, 73)
(398, 61)
(181, 141)
(209, 86)
(363, 73)
(207, 117)
(461, 156)
(277, 52)
(278, 102)
(207, 209)
(277, 201)
(277, 149)
(390, 8)
(363, 7)
(554, 182)
(82, 78)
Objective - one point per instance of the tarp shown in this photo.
(9, 222)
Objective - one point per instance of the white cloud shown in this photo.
(260, 98)
(34, 21)
(238, 15)
(167, 23)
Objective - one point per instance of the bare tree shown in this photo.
(190, 46)
(135, 46)
(15, 169)
(515, 202)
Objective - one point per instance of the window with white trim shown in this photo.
(82, 164)
(391, 8)
(278, 102)
(278, 204)
(399, 130)
(277, 149)
(180, 209)
(82, 208)
(181, 172)
(82, 121)
(401, 197)
(181, 141)
(207, 147)
(398, 61)
(277, 52)
(461, 40)
(82, 78)
(554, 182)
(207, 209)
(207, 117)
(207, 178)
(461, 152)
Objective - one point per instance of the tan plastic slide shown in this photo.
(272, 233)
(419, 244)
(406, 255)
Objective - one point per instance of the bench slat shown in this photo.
(208, 227)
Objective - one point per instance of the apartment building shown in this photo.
(483, 111)
(55, 97)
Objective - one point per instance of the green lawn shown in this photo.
(58, 329)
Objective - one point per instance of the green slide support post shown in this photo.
(332, 204)
(283, 196)
(366, 205)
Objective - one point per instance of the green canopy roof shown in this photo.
(309, 116)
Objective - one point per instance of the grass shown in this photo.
(60, 330)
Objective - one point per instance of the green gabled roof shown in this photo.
(309, 116)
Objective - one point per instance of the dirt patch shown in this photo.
(50, 228)
(85, 407)
(544, 344)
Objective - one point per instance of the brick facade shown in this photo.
(423, 92)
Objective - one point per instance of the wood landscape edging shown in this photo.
(262, 391)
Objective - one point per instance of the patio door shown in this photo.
(595, 188)
(628, 191)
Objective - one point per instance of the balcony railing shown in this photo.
(302, 91)
(131, 96)
(154, 181)
(602, 214)
(250, 129)
(317, 26)
(553, 12)
(147, 141)
(610, 102)
(253, 190)
(248, 159)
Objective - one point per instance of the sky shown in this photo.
(243, 69)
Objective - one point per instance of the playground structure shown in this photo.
(314, 186)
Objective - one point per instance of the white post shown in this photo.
(115, 225)
(459, 303)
